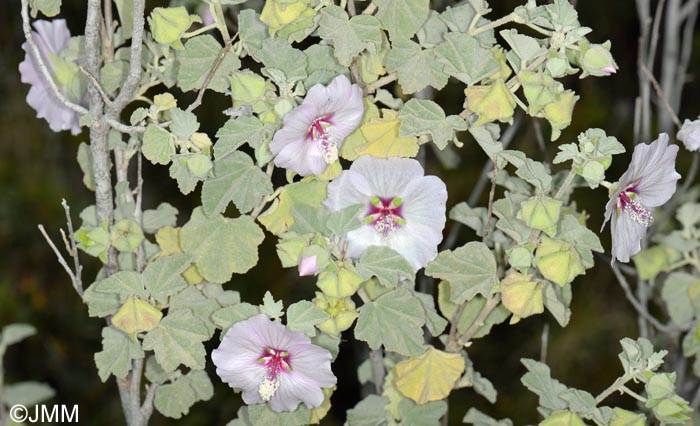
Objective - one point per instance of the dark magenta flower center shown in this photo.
(384, 213)
(275, 362)
(321, 132)
(629, 204)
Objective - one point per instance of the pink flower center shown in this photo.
(385, 215)
(628, 203)
(321, 132)
(275, 362)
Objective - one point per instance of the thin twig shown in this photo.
(695, 404)
(370, 9)
(660, 95)
(91, 78)
(352, 11)
(133, 78)
(490, 305)
(222, 54)
(478, 188)
(78, 268)
(61, 260)
(641, 309)
(689, 7)
(489, 211)
(147, 407)
(370, 88)
(544, 343)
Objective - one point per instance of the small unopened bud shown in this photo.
(308, 266)
(609, 69)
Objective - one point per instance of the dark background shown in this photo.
(38, 169)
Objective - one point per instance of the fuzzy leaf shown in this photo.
(386, 264)
(221, 246)
(465, 59)
(197, 60)
(384, 140)
(470, 270)
(236, 179)
(417, 68)
(402, 18)
(349, 36)
(404, 312)
(117, 352)
(178, 340)
(423, 116)
(429, 377)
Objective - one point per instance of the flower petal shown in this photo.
(653, 165)
(626, 237)
(387, 177)
(689, 134)
(347, 189)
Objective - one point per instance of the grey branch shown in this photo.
(62, 261)
(641, 309)
(134, 76)
(91, 78)
(73, 249)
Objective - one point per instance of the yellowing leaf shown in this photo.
(563, 418)
(490, 103)
(136, 316)
(278, 218)
(318, 413)
(429, 377)
(383, 140)
(277, 14)
(521, 296)
(558, 261)
(355, 140)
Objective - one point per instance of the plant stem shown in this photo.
(497, 23)
(616, 386)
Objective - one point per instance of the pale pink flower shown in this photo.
(51, 37)
(269, 363)
(308, 266)
(649, 182)
(609, 69)
(314, 131)
(405, 209)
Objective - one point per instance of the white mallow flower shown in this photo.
(689, 134)
(314, 131)
(649, 182)
(405, 209)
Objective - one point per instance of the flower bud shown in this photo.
(308, 266)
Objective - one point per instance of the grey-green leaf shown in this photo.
(465, 59)
(236, 179)
(162, 277)
(178, 340)
(27, 393)
(386, 264)
(400, 309)
(303, 316)
(15, 333)
(197, 61)
(117, 352)
(402, 18)
(470, 270)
